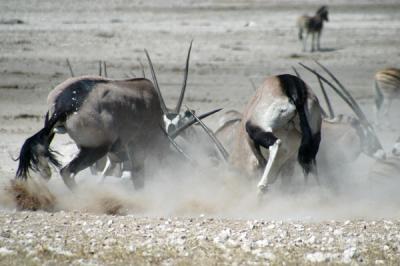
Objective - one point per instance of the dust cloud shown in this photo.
(356, 191)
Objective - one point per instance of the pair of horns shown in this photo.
(153, 74)
(102, 66)
(196, 119)
(344, 94)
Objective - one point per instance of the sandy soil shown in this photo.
(234, 41)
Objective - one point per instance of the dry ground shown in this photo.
(233, 41)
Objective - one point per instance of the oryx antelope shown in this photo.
(345, 137)
(387, 88)
(172, 118)
(280, 122)
(101, 116)
(312, 25)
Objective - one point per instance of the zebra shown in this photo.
(312, 25)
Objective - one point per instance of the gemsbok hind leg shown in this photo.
(85, 158)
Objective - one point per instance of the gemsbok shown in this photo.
(312, 25)
(387, 89)
(172, 119)
(354, 135)
(281, 121)
(102, 116)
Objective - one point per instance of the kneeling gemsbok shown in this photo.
(282, 120)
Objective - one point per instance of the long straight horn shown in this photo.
(363, 119)
(344, 90)
(221, 149)
(177, 131)
(332, 86)
(70, 68)
(297, 73)
(142, 67)
(153, 74)
(327, 101)
(179, 104)
(351, 98)
(177, 147)
(324, 114)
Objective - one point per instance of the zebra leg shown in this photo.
(319, 41)
(312, 42)
(305, 42)
(85, 158)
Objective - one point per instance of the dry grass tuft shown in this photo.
(111, 206)
(32, 196)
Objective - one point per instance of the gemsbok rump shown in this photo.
(280, 122)
(312, 25)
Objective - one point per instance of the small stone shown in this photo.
(6, 252)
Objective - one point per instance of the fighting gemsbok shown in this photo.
(387, 89)
(103, 116)
(312, 25)
(280, 122)
(354, 135)
(344, 137)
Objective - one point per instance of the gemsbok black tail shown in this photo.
(36, 146)
(296, 90)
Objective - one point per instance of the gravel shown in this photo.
(37, 238)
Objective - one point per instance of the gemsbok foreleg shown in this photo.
(85, 158)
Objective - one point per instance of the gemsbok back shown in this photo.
(387, 89)
(280, 122)
(312, 25)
